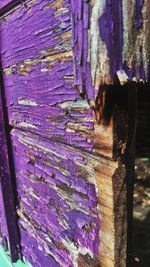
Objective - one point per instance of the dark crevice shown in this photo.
(143, 121)
(9, 187)
(8, 129)
(141, 218)
(8, 7)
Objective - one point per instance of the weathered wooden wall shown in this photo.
(58, 58)
(52, 136)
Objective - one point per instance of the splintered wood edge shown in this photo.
(115, 144)
(111, 144)
(112, 197)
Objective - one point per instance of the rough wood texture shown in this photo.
(69, 161)
(52, 136)
(119, 41)
(116, 108)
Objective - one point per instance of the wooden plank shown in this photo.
(52, 137)
(41, 41)
(55, 109)
(115, 142)
(120, 51)
(33, 59)
(7, 187)
(56, 181)
(70, 166)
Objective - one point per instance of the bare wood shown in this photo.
(112, 138)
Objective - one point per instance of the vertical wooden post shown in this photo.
(6, 183)
(115, 136)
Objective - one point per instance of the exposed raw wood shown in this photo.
(115, 196)
(119, 41)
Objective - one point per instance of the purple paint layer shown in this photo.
(3, 227)
(110, 27)
(57, 199)
(53, 130)
(80, 20)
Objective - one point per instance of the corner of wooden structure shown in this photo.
(114, 143)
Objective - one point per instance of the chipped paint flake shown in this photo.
(27, 102)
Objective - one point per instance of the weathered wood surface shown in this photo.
(52, 136)
(70, 164)
(115, 141)
(30, 62)
(119, 41)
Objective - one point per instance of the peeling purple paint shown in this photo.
(49, 81)
(80, 17)
(53, 129)
(110, 27)
(63, 196)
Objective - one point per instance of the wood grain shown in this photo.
(52, 133)
(69, 129)
(115, 142)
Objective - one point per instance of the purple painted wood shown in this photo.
(33, 61)
(52, 135)
(56, 55)
(3, 225)
(10, 230)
